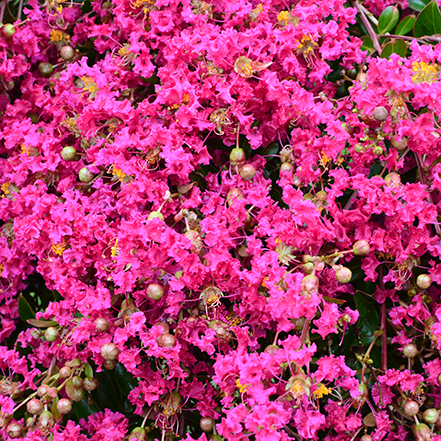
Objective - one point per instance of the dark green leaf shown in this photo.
(125, 379)
(367, 45)
(88, 371)
(369, 319)
(396, 46)
(428, 21)
(418, 5)
(388, 19)
(24, 309)
(405, 25)
(83, 410)
(42, 323)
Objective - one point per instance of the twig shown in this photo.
(369, 15)
(383, 326)
(403, 37)
(2, 10)
(368, 27)
(20, 7)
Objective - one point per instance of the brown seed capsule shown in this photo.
(380, 114)
(14, 430)
(101, 324)
(90, 385)
(67, 53)
(399, 145)
(166, 341)
(206, 424)
(109, 364)
(411, 408)
(65, 372)
(64, 406)
(77, 381)
(109, 351)
(155, 291)
(34, 406)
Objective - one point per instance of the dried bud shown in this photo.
(166, 341)
(14, 430)
(109, 351)
(410, 350)
(206, 424)
(64, 406)
(155, 291)
(361, 248)
(343, 274)
(423, 281)
(411, 408)
(34, 406)
(380, 114)
(101, 324)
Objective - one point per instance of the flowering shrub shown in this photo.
(219, 219)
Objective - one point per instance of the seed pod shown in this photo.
(138, 433)
(64, 406)
(155, 291)
(109, 364)
(361, 248)
(65, 372)
(422, 432)
(155, 215)
(67, 53)
(247, 172)
(380, 114)
(101, 324)
(45, 69)
(237, 157)
(85, 175)
(411, 408)
(410, 350)
(431, 416)
(51, 334)
(109, 351)
(424, 281)
(206, 424)
(14, 430)
(34, 406)
(166, 341)
(90, 385)
(69, 153)
(343, 275)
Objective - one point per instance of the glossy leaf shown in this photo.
(88, 371)
(83, 410)
(25, 310)
(418, 5)
(396, 46)
(125, 379)
(388, 19)
(405, 25)
(367, 45)
(428, 21)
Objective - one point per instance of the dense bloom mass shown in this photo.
(220, 219)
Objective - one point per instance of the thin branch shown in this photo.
(368, 27)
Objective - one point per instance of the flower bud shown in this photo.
(85, 175)
(45, 69)
(138, 433)
(286, 167)
(8, 30)
(237, 157)
(90, 385)
(361, 399)
(310, 283)
(308, 268)
(43, 390)
(422, 432)
(380, 114)
(399, 145)
(155, 215)
(155, 291)
(166, 341)
(77, 381)
(109, 364)
(361, 248)
(51, 334)
(46, 421)
(206, 424)
(247, 172)
(164, 326)
(234, 193)
(423, 281)
(410, 350)
(343, 274)
(411, 408)
(65, 372)
(67, 53)
(14, 430)
(5, 419)
(101, 324)
(377, 150)
(34, 406)
(366, 438)
(431, 416)
(271, 349)
(69, 153)
(321, 195)
(64, 406)
(109, 351)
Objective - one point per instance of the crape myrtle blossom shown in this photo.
(219, 220)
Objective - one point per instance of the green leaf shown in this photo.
(125, 380)
(42, 323)
(369, 320)
(418, 5)
(428, 21)
(405, 25)
(368, 44)
(88, 371)
(25, 310)
(83, 409)
(388, 19)
(396, 46)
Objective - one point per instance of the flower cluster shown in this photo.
(219, 218)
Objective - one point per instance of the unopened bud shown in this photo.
(109, 351)
(34, 406)
(64, 406)
(423, 281)
(380, 114)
